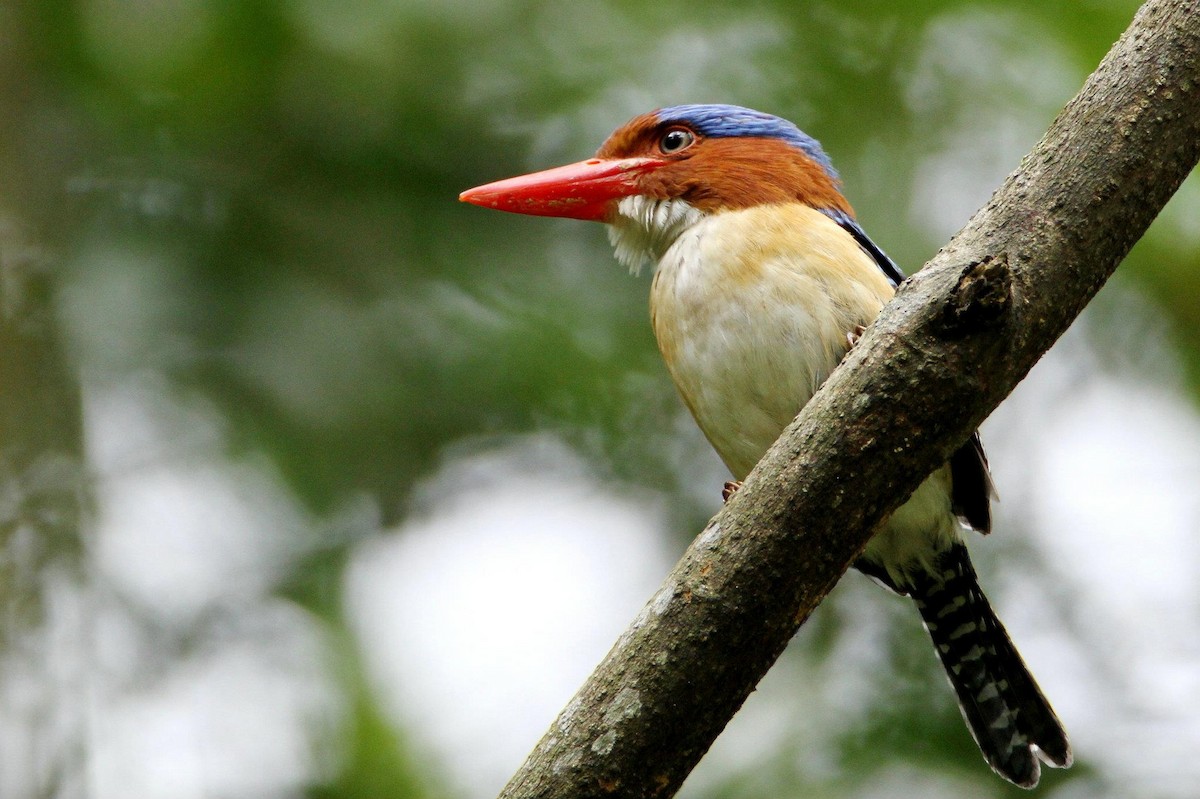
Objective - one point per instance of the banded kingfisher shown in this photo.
(764, 281)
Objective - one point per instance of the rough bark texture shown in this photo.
(955, 341)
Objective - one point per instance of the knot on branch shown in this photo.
(979, 300)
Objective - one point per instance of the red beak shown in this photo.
(585, 190)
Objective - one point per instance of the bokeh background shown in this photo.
(317, 483)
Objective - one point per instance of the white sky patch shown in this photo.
(482, 615)
(233, 719)
(178, 529)
(1119, 513)
(167, 667)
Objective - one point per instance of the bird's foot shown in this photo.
(731, 488)
(854, 335)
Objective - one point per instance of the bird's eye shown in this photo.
(675, 140)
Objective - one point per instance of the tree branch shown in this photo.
(955, 341)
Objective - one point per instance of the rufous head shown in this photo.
(662, 171)
(713, 157)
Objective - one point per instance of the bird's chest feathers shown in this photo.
(751, 309)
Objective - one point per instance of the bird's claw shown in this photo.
(731, 488)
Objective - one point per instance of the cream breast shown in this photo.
(751, 309)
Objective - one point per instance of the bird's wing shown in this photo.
(886, 264)
(973, 490)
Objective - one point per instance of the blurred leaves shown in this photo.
(254, 203)
(301, 162)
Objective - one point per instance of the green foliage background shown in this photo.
(252, 204)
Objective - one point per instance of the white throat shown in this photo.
(644, 228)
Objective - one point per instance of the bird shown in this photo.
(763, 281)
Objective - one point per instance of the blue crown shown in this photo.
(726, 121)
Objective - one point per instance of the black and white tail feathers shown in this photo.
(1004, 708)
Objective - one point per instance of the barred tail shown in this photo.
(1004, 708)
